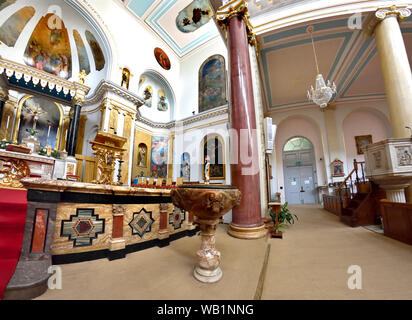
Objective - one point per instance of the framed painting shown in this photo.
(162, 58)
(362, 141)
(337, 168)
(213, 148)
(212, 83)
(160, 146)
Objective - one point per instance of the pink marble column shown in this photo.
(247, 222)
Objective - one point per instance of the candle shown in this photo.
(48, 133)
(7, 125)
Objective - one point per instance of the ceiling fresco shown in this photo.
(178, 22)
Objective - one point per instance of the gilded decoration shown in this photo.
(108, 149)
(237, 8)
(381, 14)
(12, 171)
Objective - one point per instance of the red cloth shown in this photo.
(13, 211)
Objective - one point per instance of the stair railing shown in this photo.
(348, 187)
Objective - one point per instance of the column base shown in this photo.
(208, 276)
(247, 233)
(117, 244)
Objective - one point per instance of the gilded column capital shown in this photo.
(4, 96)
(381, 14)
(232, 9)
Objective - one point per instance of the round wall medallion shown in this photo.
(162, 58)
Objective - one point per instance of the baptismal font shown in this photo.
(208, 203)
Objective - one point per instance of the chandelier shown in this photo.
(323, 92)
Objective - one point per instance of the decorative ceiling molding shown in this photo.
(107, 86)
(186, 121)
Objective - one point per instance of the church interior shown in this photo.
(205, 149)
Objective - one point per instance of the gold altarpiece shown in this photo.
(108, 148)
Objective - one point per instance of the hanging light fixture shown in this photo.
(323, 93)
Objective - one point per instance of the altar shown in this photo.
(71, 222)
(14, 166)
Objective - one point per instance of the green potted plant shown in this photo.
(284, 216)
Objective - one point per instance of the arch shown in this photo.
(360, 124)
(214, 142)
(109, 43)
(185, 166)
(212, 83)
(142, 155)
(166, 85)
(297, 143)
(18, 125)
(298, 126)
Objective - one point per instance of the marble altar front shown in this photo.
(83, 222)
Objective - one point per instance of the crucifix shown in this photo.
(36, 111)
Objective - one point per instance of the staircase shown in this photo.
(362, 205)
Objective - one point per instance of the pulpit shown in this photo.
(108, 149)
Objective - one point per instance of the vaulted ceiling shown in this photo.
(345, 56)
(160, 16)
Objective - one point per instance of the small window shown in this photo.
(297, 144)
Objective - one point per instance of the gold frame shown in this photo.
(358, 139)
(205, 140)
(18, 114)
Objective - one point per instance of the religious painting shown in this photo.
(49, 47)
(6, 3)
(362, 141)
(142, 155)
(162, 105)
(195, 15)
(212, 83)
(96, 50)
(185, 167)
(12, 28)
(214, 150)
(160, 147)
(337, 169)
(162, 58)
(125, 78)
(147, 96)
(84, 63)
(42, 116)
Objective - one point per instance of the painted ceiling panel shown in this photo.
(294, 67)
(162, 20)
(369, 81)
(140, 6)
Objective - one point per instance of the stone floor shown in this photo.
(311, 262)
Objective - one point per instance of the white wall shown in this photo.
(189, 76)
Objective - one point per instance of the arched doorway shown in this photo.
(299, 167)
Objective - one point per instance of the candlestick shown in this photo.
(7, 125)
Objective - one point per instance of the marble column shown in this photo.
(396, 70)
(3, 98)
(73, 131)
(247, 218)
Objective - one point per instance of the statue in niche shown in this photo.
(185, 167)
(162, 104)
(125, 78)
(147, 96)
(142, 156)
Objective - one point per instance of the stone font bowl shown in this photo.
(206, 201)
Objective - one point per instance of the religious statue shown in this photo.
(147, 96)
(36, 111)
(162, 105)
(186, 171)
(82, 77)
(125, 78)
(142, 157)
(207, 170)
